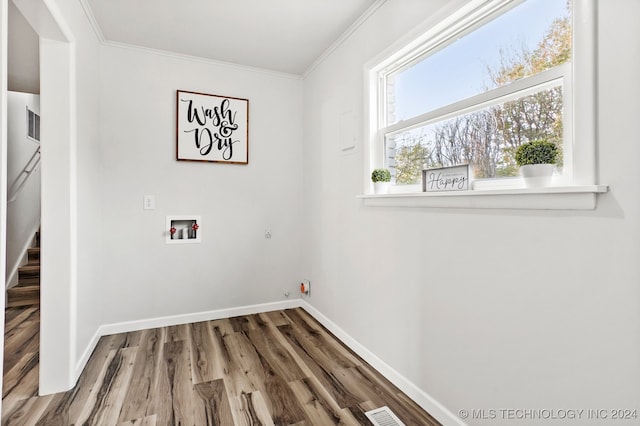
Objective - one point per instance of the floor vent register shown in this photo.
(383, 416)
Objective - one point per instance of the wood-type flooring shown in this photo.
(275, 368)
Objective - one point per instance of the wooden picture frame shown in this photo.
(212, 128)
(455, 178)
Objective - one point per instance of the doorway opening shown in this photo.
(57, 369)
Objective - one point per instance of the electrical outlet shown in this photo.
(305, 288)
(149, 202)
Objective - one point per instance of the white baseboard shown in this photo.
(127, 326)
(424, 400)
(428, 403)
(82, 362)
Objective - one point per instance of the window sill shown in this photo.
(577, 197)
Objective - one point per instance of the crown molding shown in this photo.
(349, 31)
(200, 59)
(88, 11)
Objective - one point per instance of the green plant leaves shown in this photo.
(537, 152)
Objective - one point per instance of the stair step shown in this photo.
(29, 274)
(23, 296)
(34, 255)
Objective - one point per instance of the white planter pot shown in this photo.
(381, 187)
(537, 175)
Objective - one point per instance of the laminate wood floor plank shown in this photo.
(177, 332)
(344, 351)
(187, 407)
(22, 380)
(366, 389)
(317, 388)
(389, 392)
(139, 393)
(256, 409)
(122, 340)
(277, 318)
(204, 351)
(223, 326)
(245, 369)
(242, 409)
(419, 413)
(160, 402)
(243, 323)
(145, 421)
(238, 381)
(27, 347)
(94, 373)
(87, 393)
(322, 338)
(15, 317)
(357, 411)
(25, 412)
(301, 341)
(318, 409)
(266, 343)
(274, 368)
(106, 397)
(9, 316)
(105, 407)
(283, 343)
(22, 338)
(280, 399)
(56, 413)
(313, 359)
(216, 402)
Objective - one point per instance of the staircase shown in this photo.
(27, 292)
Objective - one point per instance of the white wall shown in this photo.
(3, 159)
(71, 176)
(234, 265)
(89, 169)
(23, 63)
(541, 310)
(23, 213)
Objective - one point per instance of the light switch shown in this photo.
(149, 202)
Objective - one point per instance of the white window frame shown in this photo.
(579, 90)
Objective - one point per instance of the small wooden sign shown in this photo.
(454, 178)
(212, 128)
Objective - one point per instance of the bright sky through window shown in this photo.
(461, 70)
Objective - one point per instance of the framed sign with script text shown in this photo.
(454, 178)
(212, 128)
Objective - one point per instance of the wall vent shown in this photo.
(33, 125)
(383, 416)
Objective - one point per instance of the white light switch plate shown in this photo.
(149, 202)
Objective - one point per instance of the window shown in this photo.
(478, 84)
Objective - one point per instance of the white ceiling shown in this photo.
(279, 35)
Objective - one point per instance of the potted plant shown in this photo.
(380, 179)
(537, 160)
